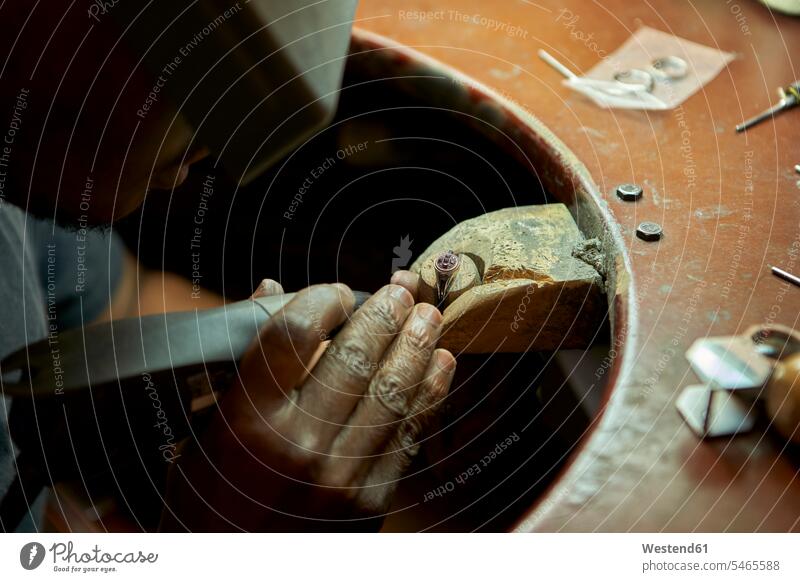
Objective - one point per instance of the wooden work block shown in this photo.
(537, 289)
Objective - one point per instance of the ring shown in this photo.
(636, 77)
(670, 68)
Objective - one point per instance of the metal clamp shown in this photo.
(734, 371)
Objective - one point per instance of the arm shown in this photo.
(142, 291)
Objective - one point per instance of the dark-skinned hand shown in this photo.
(315, 436)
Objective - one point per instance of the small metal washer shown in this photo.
(629, 192)
(649, 231)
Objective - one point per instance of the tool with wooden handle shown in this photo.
(789, 98)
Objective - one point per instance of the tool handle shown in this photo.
(109, 352)
(121, 394)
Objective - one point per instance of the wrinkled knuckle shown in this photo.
(353, 357)
(411, 450)
(408, 437)
(390, 391)
(412, 428)
(384, 315)
(418, 338)
(436, 391)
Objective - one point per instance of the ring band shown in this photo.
(670, 68)
(636, 77)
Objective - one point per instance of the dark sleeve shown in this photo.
(80, 269)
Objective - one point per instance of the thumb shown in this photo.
(267, 288)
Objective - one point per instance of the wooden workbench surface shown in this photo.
(729, 205)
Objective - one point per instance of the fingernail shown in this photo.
(405, 278)
(262, 289)
(401, 294)
(344, 291)
(429, 312)
(445, 361)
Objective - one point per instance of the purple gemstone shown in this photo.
(446, 262)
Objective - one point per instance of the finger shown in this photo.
(318, 353)
(267, 288)
(404, 445)
(408, 280)
(289, 340)
(392, 389)
(336, 384)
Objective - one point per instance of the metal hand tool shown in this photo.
(742, 377)
(786, 276)
(789, 97)
(84, 359)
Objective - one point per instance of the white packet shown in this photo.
(639, 52)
